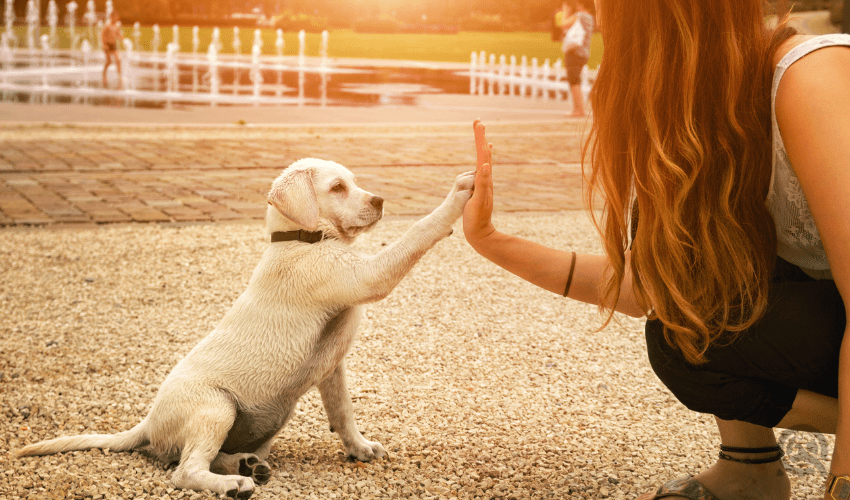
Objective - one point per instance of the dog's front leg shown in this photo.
(386, 269)
(337, 402)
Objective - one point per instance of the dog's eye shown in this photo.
(338, 187)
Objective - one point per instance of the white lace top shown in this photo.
(798, 240)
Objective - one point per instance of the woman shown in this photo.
(740, 254)
(578, 25)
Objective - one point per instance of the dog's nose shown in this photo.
(377, 202)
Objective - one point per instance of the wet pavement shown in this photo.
(82, 174)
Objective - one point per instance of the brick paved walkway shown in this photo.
(92, 174)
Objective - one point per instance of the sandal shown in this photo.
(686, 487)
(690, 488)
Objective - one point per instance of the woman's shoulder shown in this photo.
(812, 41)
(788, 45)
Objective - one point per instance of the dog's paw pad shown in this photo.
(252, 467)
(262, 474)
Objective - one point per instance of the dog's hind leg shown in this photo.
(337, 402)
(206, 429)
(251, 465)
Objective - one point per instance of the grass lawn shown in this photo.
(347, 43)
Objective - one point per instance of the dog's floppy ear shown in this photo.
(292, 194)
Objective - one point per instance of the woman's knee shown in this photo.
(716, 391)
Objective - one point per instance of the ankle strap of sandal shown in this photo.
(778, 454)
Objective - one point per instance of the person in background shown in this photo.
(720, 153)
(578, 25)
(110, 38)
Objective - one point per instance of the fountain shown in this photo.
(171, 82)
(38, 73)
(279, 44)
(473, 75)
(196, 41)
(237, 51)
(155, 58)
(256, 53)
(90, 17)
(129, 83)
(324, 69)
(256, 76)
(108, 10)
(5, 63)
(137, 35)
(301, 38)
(301, 42)
(86, 50)
(45, 58)
(71, 17)
(9, 20)
(52, 21)
(32, 24)
(212, 75)
(323, 52)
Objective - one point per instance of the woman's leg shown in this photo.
(811, 412)
(578, 100)
(781, 373)
(730, 480)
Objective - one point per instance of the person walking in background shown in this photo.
(720, 151)
(578, 25)
(110, 38)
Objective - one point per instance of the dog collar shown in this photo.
(300, 235)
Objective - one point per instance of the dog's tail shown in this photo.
(123, 441)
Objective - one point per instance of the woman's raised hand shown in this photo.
(477, 225)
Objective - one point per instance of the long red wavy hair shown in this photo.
(682, 125)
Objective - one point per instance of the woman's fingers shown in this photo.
(484, 183)
(482, 148)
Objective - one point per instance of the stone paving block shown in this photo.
(148, 215)
(192, 217)
(224, 215)
(65, 219)
(163, 203)
(77, 199)
(212, 193)
(110, 217)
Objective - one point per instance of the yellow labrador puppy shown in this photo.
(220, 408)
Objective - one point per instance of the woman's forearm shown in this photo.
(549, 269)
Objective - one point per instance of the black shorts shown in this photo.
(111, 47)
(574, 64)
(755, 378)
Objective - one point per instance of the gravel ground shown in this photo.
(477, 383)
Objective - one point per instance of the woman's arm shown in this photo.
(545, 267)
(568, 21)
(813, 111)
